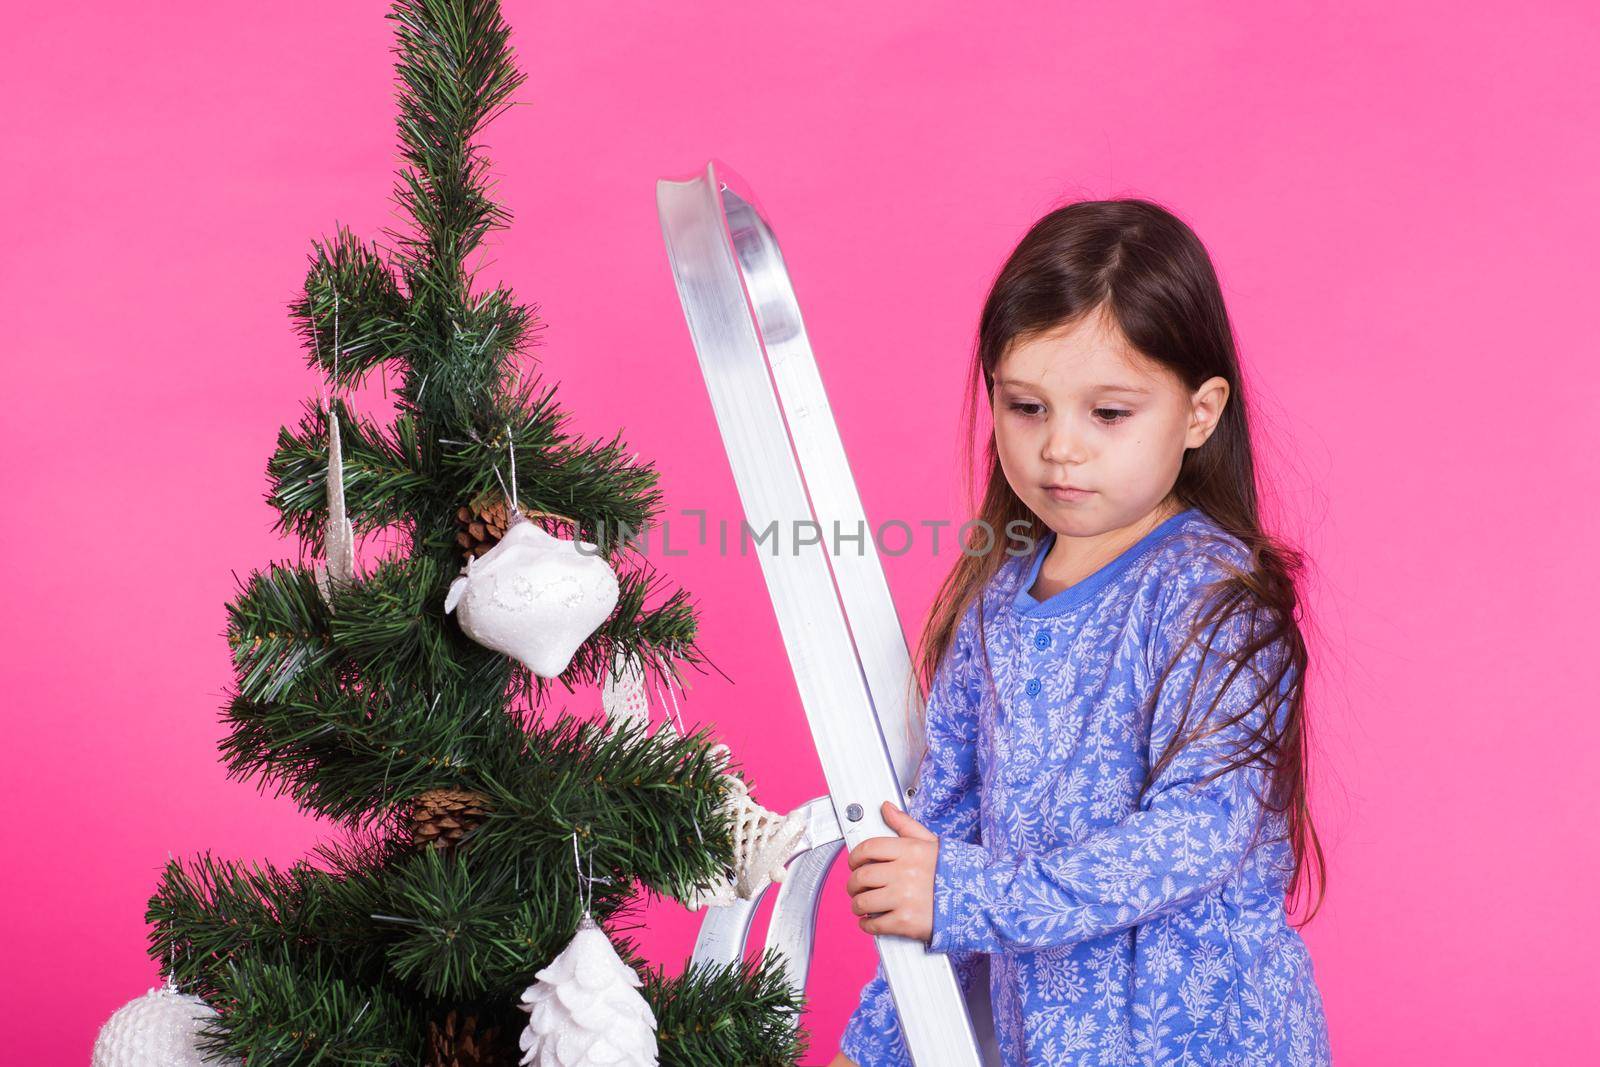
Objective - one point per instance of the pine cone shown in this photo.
(458, 1041)
(442, 817)
(480, 525)
(482, 522)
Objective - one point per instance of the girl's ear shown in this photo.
(1206, 405)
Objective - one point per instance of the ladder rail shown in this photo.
(862, 586)
(836, 616)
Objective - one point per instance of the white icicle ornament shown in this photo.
(157, 1028)
(339, 544)
(534, 597)
(585, 1010)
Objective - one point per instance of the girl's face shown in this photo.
(1079, 407)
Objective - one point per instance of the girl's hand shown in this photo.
(891, 879)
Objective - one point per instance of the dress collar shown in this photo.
(1078, 592)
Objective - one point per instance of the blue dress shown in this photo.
(1115, 930)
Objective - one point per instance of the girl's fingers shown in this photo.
(904, 825)
(874, 849)
(870, 876)
(880, 924)
(872, 900)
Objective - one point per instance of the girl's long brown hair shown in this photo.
(1149, 271)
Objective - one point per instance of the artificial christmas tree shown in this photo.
(461, 801)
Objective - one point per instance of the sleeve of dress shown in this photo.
(945, 799)
(1192, 829)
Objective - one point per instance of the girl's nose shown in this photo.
(1062, 446)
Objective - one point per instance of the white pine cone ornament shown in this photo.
(159, 1028)
(534, 597)
(585, 1010)
(763, 841)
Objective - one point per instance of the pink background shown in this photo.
(1399, 199)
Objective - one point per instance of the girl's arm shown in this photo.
(945, 800)
(1187, 837)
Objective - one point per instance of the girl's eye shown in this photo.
(1107, 415)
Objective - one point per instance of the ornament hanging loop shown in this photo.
(585, 881)
(576, 862)
(316, 341)
(514, 511)
(515, 514)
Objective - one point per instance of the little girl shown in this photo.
(1111, 808)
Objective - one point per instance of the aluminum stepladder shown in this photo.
(843, 637)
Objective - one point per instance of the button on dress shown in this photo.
(1113, 929)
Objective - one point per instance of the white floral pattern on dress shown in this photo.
(1118, 931)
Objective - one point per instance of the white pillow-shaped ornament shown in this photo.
(158, 1028)
(534, 597)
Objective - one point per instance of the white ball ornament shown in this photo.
(534, 597)
(157, 1030)
(586, 1011)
